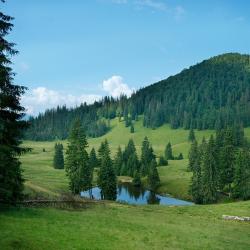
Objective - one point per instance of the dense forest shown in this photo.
(210, 95)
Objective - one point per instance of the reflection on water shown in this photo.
(126, 192)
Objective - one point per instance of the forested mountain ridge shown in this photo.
(210, 95)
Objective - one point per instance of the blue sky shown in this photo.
(80, 50)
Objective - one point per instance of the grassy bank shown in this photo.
(115, 226)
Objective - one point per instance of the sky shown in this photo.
(81, 50)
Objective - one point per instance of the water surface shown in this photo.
(126, 192)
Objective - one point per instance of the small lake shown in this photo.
(126, 192)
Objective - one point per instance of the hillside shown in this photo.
(212, 94)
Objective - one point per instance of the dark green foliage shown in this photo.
(241, 182)
(221, 165)
(213, 94)
(193, 155)
(11, 123)
(137, 179)
(147, 155)
(153, 177)
(191, 136)
(107, 179)
(118, 162)
(58, 162)
(209, 173)
(180, 157)
(44, 150)
(132, 129)
(162, 161)
(130, 159)
(168, 152)
(93, 161)
(77, 161)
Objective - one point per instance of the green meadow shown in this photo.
(112, 225)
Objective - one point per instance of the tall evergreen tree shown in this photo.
(241, 187)
(93, 161)
(11, 123)
(77, 161)
(118, 161)
(209, 176)
(191, 136)
(58, 161)
(193, 155)
(153, 177)
(168, 152)
(147, 155)
(107, 179)
(132, 129)
(226, 160)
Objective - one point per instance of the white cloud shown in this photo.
(115, 86)
(157, 5)
(39, 99)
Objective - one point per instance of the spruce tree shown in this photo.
(147, 155)
(196, 155)
(209, 173)
(193, 155)
(132, 129)
(107, 181)
(58, 162)
(77, 162)
(153, 177)
(11, 123)
(168, 152)
(93, 161)
(226, 160)
(241, 187)
(162, 161)
(118, 161)
(191, 136)
(137, 179)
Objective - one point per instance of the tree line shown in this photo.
(220, 165)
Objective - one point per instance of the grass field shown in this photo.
(116, 226)
(43, 179)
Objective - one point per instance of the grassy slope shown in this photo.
(115, 226)
(41, 177)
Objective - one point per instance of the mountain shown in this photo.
(209, 95)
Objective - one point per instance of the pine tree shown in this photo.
(162, 161)
(209, 173)
(107, 181)
(168, 152)
(132, 129)
(77, 166)
(137, 179)
(93, 161)
(241, 187)
(180, 157)
(58, 162)
(226, 160)
(11, 123)
(153, 177)
(191, 136)
(118, 161)
(193, 155)
(147, 155)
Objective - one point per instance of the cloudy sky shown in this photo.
(80, 50)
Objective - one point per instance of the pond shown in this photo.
(126, 192)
